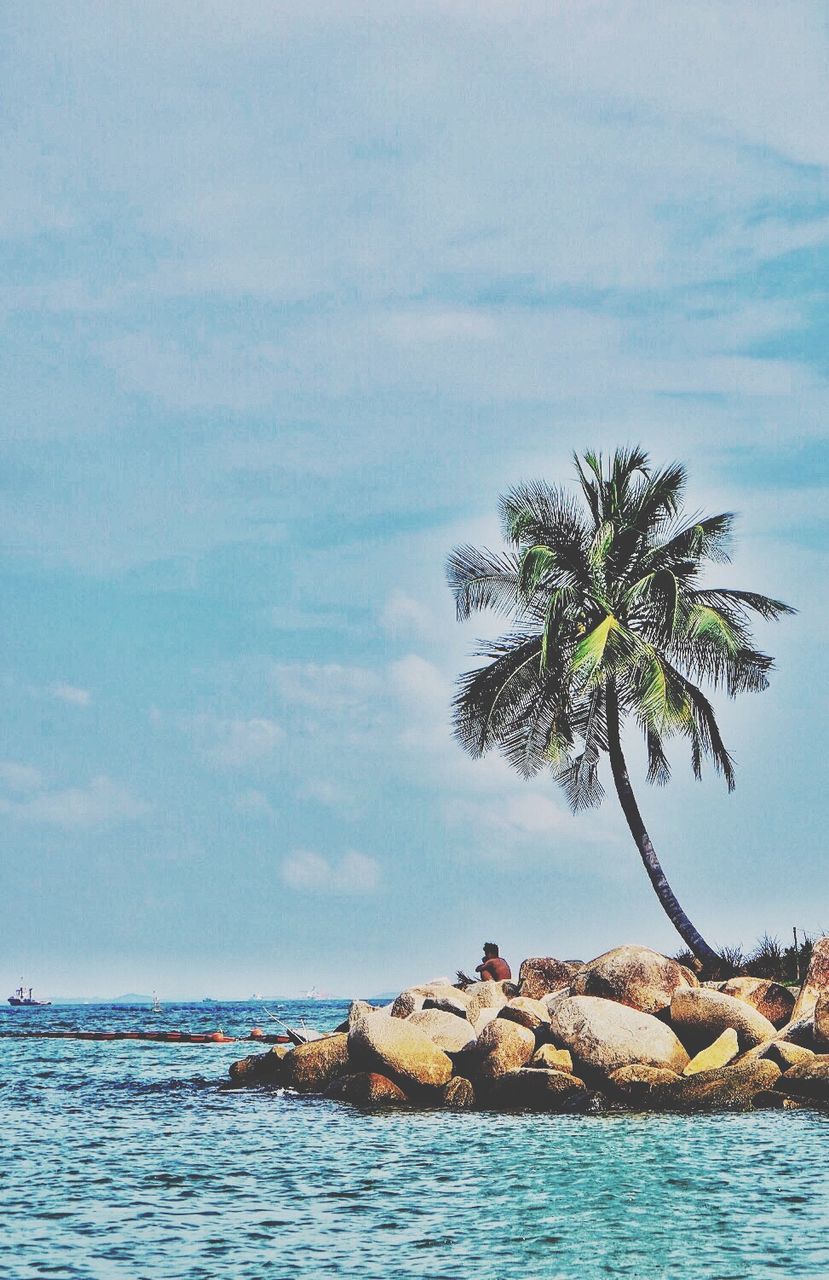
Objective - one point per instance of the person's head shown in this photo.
(490, 950)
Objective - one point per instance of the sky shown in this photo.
(290, 293)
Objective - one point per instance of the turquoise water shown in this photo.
(124, 1160)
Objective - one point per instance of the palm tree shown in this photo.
(612, 621)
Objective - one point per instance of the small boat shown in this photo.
(156, 1006)
(24, 998)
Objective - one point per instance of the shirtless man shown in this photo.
(493, 968)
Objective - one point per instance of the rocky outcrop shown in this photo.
(634, 976)
(699, 1015)
(603, 1035)
(538, 1089)
(367, 1089)
(637, 1084)
(807, 1079)
(771, 999)
(531, 1014)
(541, 975)
(413, 998)
(724, 1049)
(260, 1068)
(392, 1046)
(502, 1046)
(816, 981)
(820, 1020)
(453, 1001)
(555, 1059)
(723, 1088)
(489, 995)
(449, 1032)
(310, 1068)
(458, 1094)
(785, 1054)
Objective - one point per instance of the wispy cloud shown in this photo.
(101, 803)
(351, 873)
(71, 694)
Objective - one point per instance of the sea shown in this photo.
(126, 1160)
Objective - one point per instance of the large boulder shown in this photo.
(635, 976)
(393, 1046)
(458, 1094)
(502, 1046)
(367, 1089)
(489, 995)
(603, 1035)
(700, 1015)
(772, 999)
(637, 1084)
(260, 1068)
(310, 1068)
(724, 1049)
(723, 1088)
(808, 1079)
(413, 998)
(541, 975)
(531, 1014)
(449, 1032)
(816, 981)
(555, 1059)
(820, 1021)
(538, 1089)
(453, 1001)
(785, 1054)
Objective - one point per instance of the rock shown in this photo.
(603, 1035)
(786, 1055)
(531, 1014)
(394, 1047)
(808, 1079)
(489, 995)
(360, 1009)
(539, 1089)
(768, 1100)
(801, 1032)
(719, 1054)
(635, 976)
(449, 1032)
(458, 1094)
(310, 1068)
(456, 1003)
(555, 1059)
(637, 1083)
(502, 1046)
(485, 1016)
(821, 1021)
(367, 1089)
(541, 975)
(413, 999)
(816, 981)
(407, 1003)
(260, 1068)
(700, 1015)
(772, 999)
(722, 1088)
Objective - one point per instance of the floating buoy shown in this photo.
(257, 1034)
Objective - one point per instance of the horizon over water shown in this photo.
(124, 1160)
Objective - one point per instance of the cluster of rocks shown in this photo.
(631, 1028)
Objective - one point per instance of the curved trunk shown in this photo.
(647, 853)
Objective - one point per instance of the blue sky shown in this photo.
(289, 294)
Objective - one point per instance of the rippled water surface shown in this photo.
(124, 1159)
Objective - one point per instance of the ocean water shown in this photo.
(125, 1160)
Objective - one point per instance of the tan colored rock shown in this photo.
(538, 1089)
(723, 1088)
(724, 1049)
(413, 999)
(392, 1046)
(631, 975)
(310, 1068)
(821, 1021)
(772, 999)
(808, 1079)
(816, 981)
(637, 1083)
(699, 1015)
(555, 1059)
(458, 1094)
(489, 995)
(456, 1002)
(407, 1003)
(449, 1032)
(502, 1046)
(485, 1016)
(360, 1009)
(541, 975)
(260, 1068)
(604, 1034)
(785, 1054)
(531, 1014)
(367, 1089)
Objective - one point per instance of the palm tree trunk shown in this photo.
(647, 853)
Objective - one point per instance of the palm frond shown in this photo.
(743, 602)
(579, 779)
(698, 540)
(491, 698)
(481, 579)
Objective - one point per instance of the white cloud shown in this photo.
(324, 686)
(235, 743)
(402, 615)
(254, 803)
(101, 803)
(20, 777)
(72, 694)
(353, 873)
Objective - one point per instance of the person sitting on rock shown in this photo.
(493, 968)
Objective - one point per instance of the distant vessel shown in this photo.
(257, 995)
(24, 997)
(156, 1006)
(315, 994)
